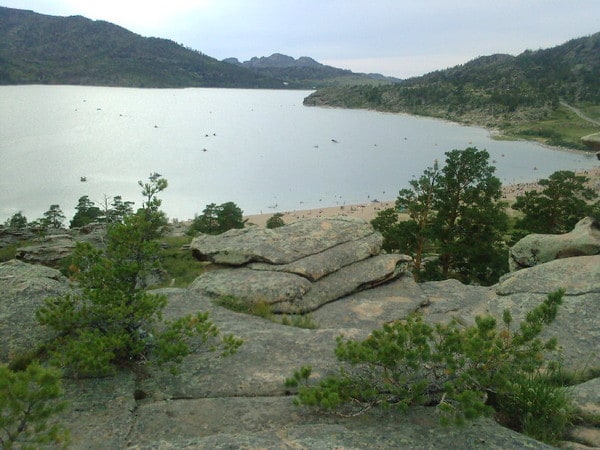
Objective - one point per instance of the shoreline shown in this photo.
(368, 211)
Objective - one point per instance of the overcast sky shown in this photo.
(401, 38)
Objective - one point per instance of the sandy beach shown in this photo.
(368, 211)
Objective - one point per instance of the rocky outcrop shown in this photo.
(23, 288)
(241, 401)
(296, 268)
(535, 249)
(281, 245)
(10, 236)
(50, 251)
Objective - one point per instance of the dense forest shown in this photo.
(36, 48)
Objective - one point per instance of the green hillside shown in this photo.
(524, 96)
(36, 48)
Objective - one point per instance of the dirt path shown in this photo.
(580, 114)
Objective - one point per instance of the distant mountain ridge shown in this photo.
(42, 49)
(280, 61)
(305, 72)
(37, 48)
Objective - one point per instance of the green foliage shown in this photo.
(449, 210)
(538, 407)
(85, 212)
(299, 321)
(118, 210)
(260, 308)
(469, 210)
(17, 221)
(28, 400)
(275, 221)
(419, 202)
(54, 217)
(110, 320)
(397, 236)
(466, 372)
(218, 219)
(563, 201)
(9, 252)
(41, 49)
(518, 94)
(180, 264)
(264, 310)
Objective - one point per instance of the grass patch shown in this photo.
(9, 252)
(562, 127)
(181, 266)
(299, 321)
(264, 310)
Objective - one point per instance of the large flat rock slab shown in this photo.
(536, 249)
(252, 286)
(576, 275)
(281, 245)
(356, 277)
(371, 308)
(289, 293)
(23, 288)
(315, 267)
(50, 251)
(274, 423)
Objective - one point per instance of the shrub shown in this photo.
(110, 320)
(17, 222)
(275, 221)
(28, 400)
(218, 219)
(465, 372)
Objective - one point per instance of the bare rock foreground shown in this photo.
(241, 402)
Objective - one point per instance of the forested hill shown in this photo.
(490, 90)
(36, 48)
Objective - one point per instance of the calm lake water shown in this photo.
(261, 149)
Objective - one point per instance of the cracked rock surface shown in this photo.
(241, 401)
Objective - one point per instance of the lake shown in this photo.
(261, 149)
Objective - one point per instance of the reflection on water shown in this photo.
(258, 148)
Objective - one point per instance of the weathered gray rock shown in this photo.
(305, 265)
(576, 275)
(353, 278)
(281, 245)
(371, 308)
(536, 249)
(273, 423)
(576, 325)
(328, 261)
(241, 401)
(50, 251)
(586, 397)
(10, 236)
(23, 288)
(252, 286)
(290, 293)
